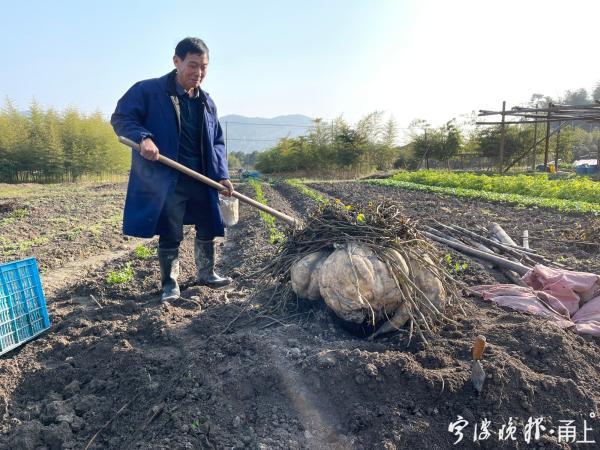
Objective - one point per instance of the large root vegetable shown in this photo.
(358, 286)
(305, 274)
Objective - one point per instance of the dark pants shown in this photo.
(186, 197)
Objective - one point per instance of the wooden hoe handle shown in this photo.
(219, 187)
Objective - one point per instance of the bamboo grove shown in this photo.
(40, 145)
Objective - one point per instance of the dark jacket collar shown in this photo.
(172, 89)
(181, 90)
(171, 83)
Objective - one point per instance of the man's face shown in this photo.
(191, 70)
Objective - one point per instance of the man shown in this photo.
(173, 114)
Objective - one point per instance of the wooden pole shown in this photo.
(521, 122)
(556, 152)
(535, 126)
(219, 187)
(426, 150)
(598, 158)
(502, 136)
(554, 108)
(547, 144)
(497, 260)
(502, 235)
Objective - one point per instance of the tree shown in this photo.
(406, 157)
(369, 128)
(536, 99)
(233, 162)
(386, 152)
(54, 152)
(418, 132)
(247, 160)
(517, 139)
(440, 143)
(250, 159)
(35, 159)
(13, 140)
(596, 93)
(446, 141)
(578, 97)
(569, 136)
(350, 146)
(368, 131)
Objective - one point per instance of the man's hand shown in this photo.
(229, 186)
(148, 149)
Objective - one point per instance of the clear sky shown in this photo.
(429, 59)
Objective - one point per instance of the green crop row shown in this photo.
(295, 183)
(580, 189)
(521, 200)
(275, 235)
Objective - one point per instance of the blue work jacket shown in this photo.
(150, 108)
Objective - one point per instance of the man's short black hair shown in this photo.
(191, 45)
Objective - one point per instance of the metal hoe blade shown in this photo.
(477, 375)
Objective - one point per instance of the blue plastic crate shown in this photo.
(23, 313)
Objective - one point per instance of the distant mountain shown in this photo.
(247, 134)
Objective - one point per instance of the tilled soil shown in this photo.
(62, 224)
(549, 229)
(224, 369)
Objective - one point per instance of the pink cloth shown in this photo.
(570, 299)
(568, 287)
(587, 319)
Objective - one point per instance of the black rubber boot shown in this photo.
(168, 260)
(204, 252)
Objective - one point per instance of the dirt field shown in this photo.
(221, 369)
